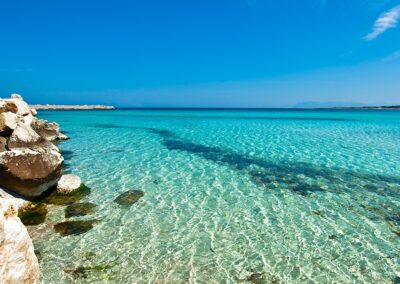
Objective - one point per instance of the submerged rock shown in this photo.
(255, 277)
(60, 198)
(33, 213)
(30, 172)
(18, 263)
(79, 209)
(74, 227)
(129, 197)
(69, 184)
(83, 271)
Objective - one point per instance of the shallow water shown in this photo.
(230, 197)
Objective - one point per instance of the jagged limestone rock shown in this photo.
(23, 136)
(8, 122)
(18, 263)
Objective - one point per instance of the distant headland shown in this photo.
(71, 107)
(394, 107)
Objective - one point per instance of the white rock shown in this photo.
(69, 183)
(19, 201)
(18, 263)
(28, 119)
(33, 111)
(23, 136)
(8, 122)
(3, 106)
(17, 106)
(16, 96)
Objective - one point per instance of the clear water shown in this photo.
(231, 197)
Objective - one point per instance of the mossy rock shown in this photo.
(74, 227)
(33, 214)
(129, 197)
(88, 255)
(83, 271)
(79, 209)
(61, 198)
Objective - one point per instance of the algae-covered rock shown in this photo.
(79, 209)
(69, 184)
(33, 213)
(74, 227)
(59, 198)
(83, 271)
(129, 197)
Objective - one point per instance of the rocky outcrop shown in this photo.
(48, 130)
(29, 163)
(18, 263)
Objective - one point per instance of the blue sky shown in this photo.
(201, 53)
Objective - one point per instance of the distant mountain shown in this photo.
(327, 104)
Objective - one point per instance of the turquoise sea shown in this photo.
(231, 196)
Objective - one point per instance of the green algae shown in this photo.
(87, 255)
(33, 214)
(255, 277)
(83, 271)
(74, 227)
(101, 270)
(59, 198)
(129, 197)
(79, 209)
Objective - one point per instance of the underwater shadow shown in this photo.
(267, 173)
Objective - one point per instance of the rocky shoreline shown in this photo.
(31, 168)
(71, 107)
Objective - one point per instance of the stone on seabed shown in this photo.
(68, 184)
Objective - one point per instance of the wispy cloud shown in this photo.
(386, 21)
(392, 57)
